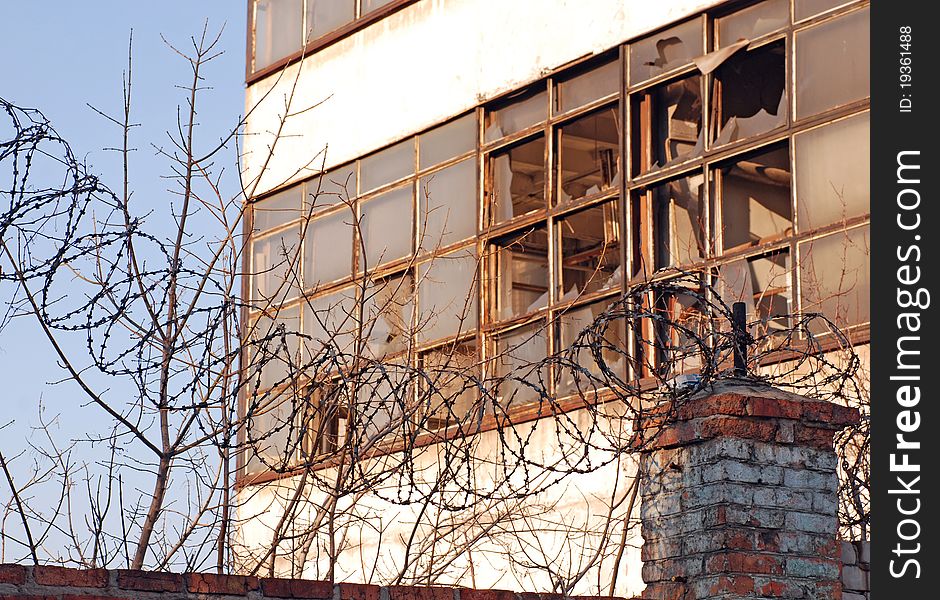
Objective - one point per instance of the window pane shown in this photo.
(588, 86)
(755, 199)
(331, 322)
(323, 16)
(613, 347)
(763, 284)
(832, 64)
(386, 314)
(588, 155)
(278, 30)
(447, 295)
(447, 141)
(521, 274)
(751, 86)
(337, 186)
(590, 251)
(833, 171)
(386, 227)
(516, 115)
(679, 222)
(667, 120)
(370, 5)
(666, 51)
(275, 267)
(387, 166)
(835, 277)
(753, 22)
(804, 9)
(449, 394)
(278, 209)
(328, 248)
(275, 349)
(448, 202)
(517, 360)
(517, 180)
(381, 396)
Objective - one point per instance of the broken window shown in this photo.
(587, 86)
(517, 180)
(762, 283)
(335, 187)
(835, 277)
(387, 166)
(589, 251)
(833, 171)
(521, 274)
(323, 419)
(753, 22)
(667, 124)
(679, 333)
(832, 64)
(448, 390)
(328, 248)
(386, 227)
(588, 155)
(447, 141)
(804, 9)
(324, 16)
(678, 222)
(514, 115)
(386, 315)
(755, 199)
(330, 324)
(279, 209)
(275, 267)
(611, 338)
(665, 51)
(448, 203)
(750, 93)
(518, 365)
(278, 30)
(447, 295)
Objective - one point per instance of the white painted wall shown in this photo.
(430, 61)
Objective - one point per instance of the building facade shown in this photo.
(470, 183)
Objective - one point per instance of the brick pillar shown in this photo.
(739, 498)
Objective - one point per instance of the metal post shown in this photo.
(740, 338)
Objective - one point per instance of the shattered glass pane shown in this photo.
(750, 86)
(590, 251)
(517, 180)
(449, 393)
(588, 155)
(665, 51)
(679, 222)
(668, 123)
(612, 351)
(522, 274)
(763, 284)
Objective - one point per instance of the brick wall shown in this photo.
(856, 570)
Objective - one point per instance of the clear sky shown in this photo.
(59, 56)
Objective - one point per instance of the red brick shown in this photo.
(408, 592)
(94, 597)
(744, 562)
(813, 436)
(211, 583)
(473, 594)
(829, 590)
(358, 591)
(664, 591)
(15, 574)
(820, 412)
(49, 575)
(736, 584)
(149, 581)
(772, 407)
(775, 589)
(297, 588)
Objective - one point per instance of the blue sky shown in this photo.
(60, 56)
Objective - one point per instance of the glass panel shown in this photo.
(447, 295)
(668, 122)
(588, 155)
(275, 267)
(679, 222)
(328, 248)
(835, 277)
(590, 251)
(763, 284)
(278, 209)
(278, 30)
(804, 9)
(275, 349)
(521, 274)
(751, 90)
(447, 141)
(517, 180)
(337, 186)
(380, 399)
(448, 203)
(833, 172)
(324, 16)
(330, 321)
(678, 333)
(370, 5)
(753, 22)
(755, 199)
(323, 419)
(387, 166)
(516, 115)
(449, 393)
(386, 227)
(612, 350)
(832, 64)
(387, 313)
(517, 360)
(666, 51)
(587, 86)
